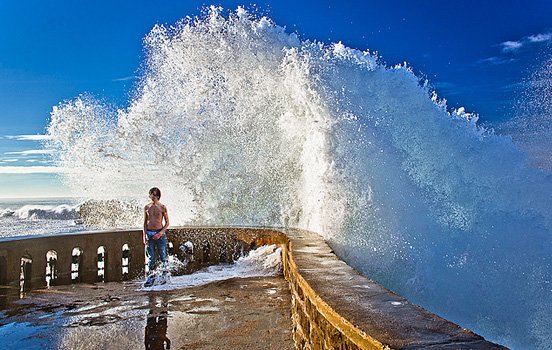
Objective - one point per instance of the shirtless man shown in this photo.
(155, 234)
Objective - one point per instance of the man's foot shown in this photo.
(165, 278)
(149, 282)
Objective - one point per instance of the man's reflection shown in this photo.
(156, 327)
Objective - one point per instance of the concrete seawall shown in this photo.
(333, 306)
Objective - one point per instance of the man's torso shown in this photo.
(155, 216)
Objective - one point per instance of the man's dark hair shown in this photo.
(156, 192)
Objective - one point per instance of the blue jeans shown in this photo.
(161, 245)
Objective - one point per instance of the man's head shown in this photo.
(155, 192)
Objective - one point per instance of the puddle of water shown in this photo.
(121, 316)
(28, 335)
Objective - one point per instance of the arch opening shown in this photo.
(125, 263)
(101, 263)
(76, 264)
(25, 274)
(51, 268)
(3, 270)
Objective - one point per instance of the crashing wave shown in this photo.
(263, 261)
(42, 212)
(110, 214)
(241, 123)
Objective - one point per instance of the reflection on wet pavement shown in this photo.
(155, 337)
(239, 313)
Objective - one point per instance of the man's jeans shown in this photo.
(161, 245)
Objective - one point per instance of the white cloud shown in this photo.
(31, 152)
(511, 45)
(539, 38)
(32, 170)
(37, 137)
(132, 77)
(497, 60)
(10, 160)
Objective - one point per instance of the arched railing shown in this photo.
(333, 306)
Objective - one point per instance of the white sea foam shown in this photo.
(263, 261)
(241, 123)
(39, 216)
(42, 212)
(35, 217)
(60, 212)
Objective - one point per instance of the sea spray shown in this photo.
(24, 217)
(109, 214)
(42, 212)
(531, 128)
(241, 123)
(263, 261)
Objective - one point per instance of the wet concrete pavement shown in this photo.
(239, 313)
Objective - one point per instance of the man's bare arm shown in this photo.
(166, 217)
(145, 224)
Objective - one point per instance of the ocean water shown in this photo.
(242, 123)
(35, 216)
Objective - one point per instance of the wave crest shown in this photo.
(241, 123)
(42, 212)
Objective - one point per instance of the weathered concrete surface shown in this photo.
(13, 248)
(248, 313)
(335, 307)
(212, 246)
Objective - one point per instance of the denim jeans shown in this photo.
(161, 245)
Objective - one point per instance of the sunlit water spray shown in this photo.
(241, 123)
(531, 128)
(263, 261)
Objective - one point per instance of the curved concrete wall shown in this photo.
(35, 249)
(211, 246)
(333, 306)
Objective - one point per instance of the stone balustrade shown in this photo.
(333, 306)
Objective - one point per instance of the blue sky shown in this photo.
(475, 53)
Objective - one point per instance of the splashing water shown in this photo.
(263, 261)
(241, 123)
(531, 128)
